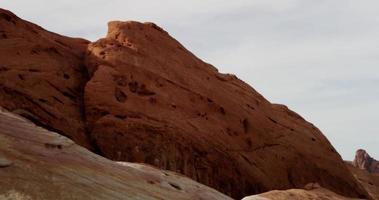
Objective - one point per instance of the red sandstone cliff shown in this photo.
(138, 95)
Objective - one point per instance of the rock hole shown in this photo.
(42, 100)
(121, 116)
(66, 76)
(274, 121)
(313, 139)
(33, 51)
(229, 132)
(245, 124)
(3, 69)
(117, 35)
(249, 106)
(209, 100)
(52, 146)
(133, 86)
(222, 110)
(174, 185)
(249, 142)
(21, 77)
(34, 70)
(120, 95)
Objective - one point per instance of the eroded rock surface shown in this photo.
(42, 76)
(50, 166)
(148, 99)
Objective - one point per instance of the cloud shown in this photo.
(319, 57)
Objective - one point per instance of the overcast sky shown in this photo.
(320, 58)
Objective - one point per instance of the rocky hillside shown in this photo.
(138, 95)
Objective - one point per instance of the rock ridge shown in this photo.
(138, 95)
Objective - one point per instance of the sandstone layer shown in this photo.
(36, 164)
(138, 95)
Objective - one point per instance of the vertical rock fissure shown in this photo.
(82, 109)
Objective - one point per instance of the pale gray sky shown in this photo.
(321, 58)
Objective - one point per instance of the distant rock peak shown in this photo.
(364, 161)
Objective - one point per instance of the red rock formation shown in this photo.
(148, 99)
(364, 161)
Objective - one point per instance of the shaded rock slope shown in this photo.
(39, 164)
(138, 95)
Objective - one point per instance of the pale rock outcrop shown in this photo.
(313, 192)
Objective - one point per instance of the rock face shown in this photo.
(46, 165)
(42, 76)
(363, 160)
(138, 95)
